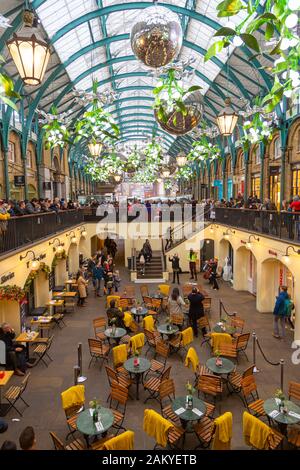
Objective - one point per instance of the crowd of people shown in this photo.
(25, 207)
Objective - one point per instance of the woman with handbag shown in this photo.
(175, 267)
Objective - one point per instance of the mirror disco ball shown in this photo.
(156, 38)
(184, 124)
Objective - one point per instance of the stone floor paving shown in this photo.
(43, 394)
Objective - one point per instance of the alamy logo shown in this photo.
(296, 354)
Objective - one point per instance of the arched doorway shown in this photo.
(246, 266)
(83, 249)
(56, 177)
(37, 288)
(274, 274)
(73, 259)
(207, 251)
(226, 252)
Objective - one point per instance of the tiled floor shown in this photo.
(45, 413)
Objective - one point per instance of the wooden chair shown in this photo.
(203, 322)
(166, 394)
(124, 304)
(177, 319)
(144, 291)
(69, 305)
(152, 384)
(71, 413)
(164, 289)
(238, 345)
(294, 391)
(177, 343)
(130, 290)
(151, 339)
(98, 350)
(158, 367)
(210, 385)
(99, 325)
(293, 436)
(156, 305)
(235, 378)
(15, 392)
(173, 436)
(238, 323)
(147, 302)
(204, 430)
(117, 404)
(251, 398)
(273, 439)
(42, 351)
(115, 379)
(58, 319)
(207, 305)
(186, 290)
(76, 444)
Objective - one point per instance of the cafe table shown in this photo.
(219, 328)
(28, 338)
(53, 304)
(168, 330)
(64, 294)
(116, 334)
(85, 423)
(187, 415)
(290, 415)
(41, 321)
(225, 369)
(4, 381)
(137, 372)
(139, 313)
(70, 283)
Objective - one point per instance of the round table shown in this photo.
(118, 334)
(188, 415)
(283, 419)
(86, 425)
(228, 329)
(162, 329)
(139, 313)
(138, 372)
(157, 296)
(226, 368)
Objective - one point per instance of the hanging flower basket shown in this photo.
(12, 293)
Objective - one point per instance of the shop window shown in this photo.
(277, 149)
(296, 182)
(298, 141)
(255, 186)
(11, 152)
(257, 155)
(29, 159)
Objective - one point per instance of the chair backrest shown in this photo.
(210, 384)
(249, 371)
(249, 388)
(150, 337)
(162, 349)
(156, 303)
(177, 318)
(109, 298)
(24, 382)
(294, 390)
(99, 323)
(238, 322)
(123, 303)
(2, 353)
(147, 300)
(203, 322)
(119, 394)
(144, 291)
(49, 342)
(119, 354)
(111, 375)
(166, 374)
(167, 389)
(186, 289)
(242, 341)
(58, 444)
(206, 303)
(164, 289)
(95, 345)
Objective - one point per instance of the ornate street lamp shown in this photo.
(227, 119)
(286, 257)
(95, 148)
(117, 178)
(181, 159)
(34, 263)
(29, 53)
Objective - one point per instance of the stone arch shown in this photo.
(246, 267)
(73, 259)
(273, 274)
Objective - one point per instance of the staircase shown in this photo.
(153, 270)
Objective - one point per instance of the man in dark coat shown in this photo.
(196, 310)
(14, 350)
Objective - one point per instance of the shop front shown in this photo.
(296, 180)
(255, 184)
(229, 188)
(218, 189)
(239, 185)
(275, 185)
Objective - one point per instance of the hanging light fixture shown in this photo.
(181, 159)
(249, 244)
(227, 234)
(34, 263)
(286, 257)
(227, 119)
(95, 148)
(29, 53)
(117, 178)
(74, 238)
(83, 232)
(165, 173)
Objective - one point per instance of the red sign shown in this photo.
(243, 241)
(281, 277)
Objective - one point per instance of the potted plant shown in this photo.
(136, 360)
(113, 325)
(219, 361)
(189, 397)
(94, 405)
(168, 323)
(280, 398)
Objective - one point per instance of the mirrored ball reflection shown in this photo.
(156, 38)
(177, 124)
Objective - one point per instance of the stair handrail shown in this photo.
(181, 228)
(163, 256)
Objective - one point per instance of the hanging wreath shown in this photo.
(34, 274)
(12, 293)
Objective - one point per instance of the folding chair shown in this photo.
(99, 325)
(42, 351)
(206, 305)
(210, 385)
(158, 367)
(58, 319)
(169, 434)
(15, 392)
(76, 444)
(235, 379)
(294, 390)
(166, 396)
(251, 398)
(118, 402)
(98, 350)
(75, 406)
(144, 291)
(238, 323)
(152, 384)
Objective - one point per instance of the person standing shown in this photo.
(280, 313)
(142, 262)
(196, 310)
(176, 304)
(192, 258)
(169, 238)
(175, 267)
(213, 274)
(98, 274)
(82, 283)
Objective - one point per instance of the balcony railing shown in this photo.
(282, 225)
(21, 231)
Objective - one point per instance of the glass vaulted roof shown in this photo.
(90, 40)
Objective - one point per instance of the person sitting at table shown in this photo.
(82, 283)
(114, 313)
(196, 309)
(15, 352)
(27, 439)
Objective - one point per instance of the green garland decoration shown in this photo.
(34, 274)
